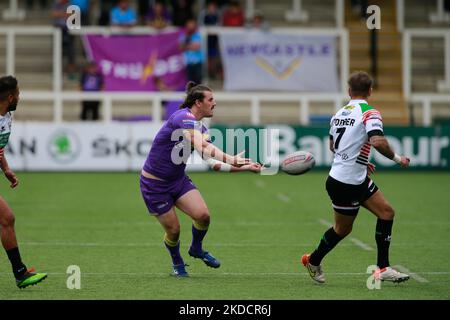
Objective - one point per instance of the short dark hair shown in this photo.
(360, 83)
(194, 92)
(8, 85)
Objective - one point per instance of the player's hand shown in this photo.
(370, 168)
(404, 162)
(11, 176)
(238, 161)
(253, 167)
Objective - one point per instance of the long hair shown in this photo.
(194, 92)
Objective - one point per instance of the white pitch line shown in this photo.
(228, 273)
(325, 222)
(355, 241)
(260, 183)
(283, 197)
(155, 244)
(280, 196)
(361, 244)
(413, 275)
(158, 244)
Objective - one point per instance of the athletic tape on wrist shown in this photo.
(397, 158)
(223, 166)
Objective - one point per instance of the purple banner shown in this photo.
(138, 62)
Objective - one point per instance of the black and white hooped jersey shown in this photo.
(350, 130)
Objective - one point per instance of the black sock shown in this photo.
(329, 240)
(18, 267)
(383, 238)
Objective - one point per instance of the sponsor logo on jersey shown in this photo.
(377, 124)
(349, 107)
(192, 123)
(162, 205)
(190, 115)
(345, 113)
(4, 138)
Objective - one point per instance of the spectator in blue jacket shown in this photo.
(123, 15)
(84, 9)
(191, 43)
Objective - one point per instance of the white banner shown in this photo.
(83, 147)
(256, 60)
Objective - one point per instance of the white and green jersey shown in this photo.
(350, 130)
(5, 129)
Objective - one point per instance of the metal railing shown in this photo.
(58, 96)
(426, 101)
(155, 99)
(304, 99)
(439, 16)
(408, 34)
(13, 12)
(11, 34)
(296, 14)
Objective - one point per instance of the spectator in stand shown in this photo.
(222, 3)
(169, 106)
(258, 22)
(60, 15)
(181, 12)
(105, 11)
(123, 15)
(191, 43)
(360, 7)
(233, 16)
(209, 17)
(91, 81)
(143, 10)
(159, 16)
(84, 8)
(42, 3)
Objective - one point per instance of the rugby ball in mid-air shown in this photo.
(298, 162)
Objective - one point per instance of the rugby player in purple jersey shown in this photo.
(165, 185)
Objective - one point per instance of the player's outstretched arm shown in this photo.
(381, 144)
(208, 150)
(9, 174)
(221, 166)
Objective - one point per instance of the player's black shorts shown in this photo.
(347, 198)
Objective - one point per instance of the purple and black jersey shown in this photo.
(159, 161)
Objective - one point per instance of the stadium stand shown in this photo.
(34, 63)
(388, 97)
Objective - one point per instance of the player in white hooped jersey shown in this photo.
(350, 129)
(9, 98)
(356, 128)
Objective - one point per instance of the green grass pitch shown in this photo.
(260, 227)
